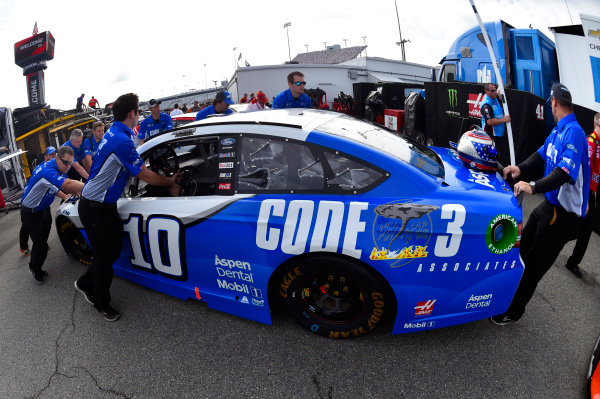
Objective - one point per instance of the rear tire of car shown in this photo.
(334, 296)
(73, 241)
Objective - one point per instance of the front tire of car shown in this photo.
(73, 241)
(334, 296)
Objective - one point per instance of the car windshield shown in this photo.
(385, 140)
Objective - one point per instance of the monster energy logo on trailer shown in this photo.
(453, 97)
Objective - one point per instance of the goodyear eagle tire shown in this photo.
(333, 296)
(73, 241)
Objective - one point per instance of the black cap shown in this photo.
(153, 102)
(560, 92)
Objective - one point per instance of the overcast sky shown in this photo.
(159, 48)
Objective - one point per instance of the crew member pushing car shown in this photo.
(75, 142)
(115, 160)
(45, 184)
(566, 183)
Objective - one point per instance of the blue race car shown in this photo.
(342, 221)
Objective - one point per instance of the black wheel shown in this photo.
(333, 296)
(72, 241)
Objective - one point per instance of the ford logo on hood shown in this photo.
(228, 141)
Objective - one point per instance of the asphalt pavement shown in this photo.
(53, 344)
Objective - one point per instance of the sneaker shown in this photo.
(38, 276)
(25, 252)
(109, 313)
(575, 270)
(502, 319)
(88, 297)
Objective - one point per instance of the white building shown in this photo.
(333, 70)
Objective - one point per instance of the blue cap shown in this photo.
(224, 96)
(50, 150)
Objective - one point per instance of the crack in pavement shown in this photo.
(546, 300)
(70, 328)
(317, 383)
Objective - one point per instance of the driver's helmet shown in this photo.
(477, 149)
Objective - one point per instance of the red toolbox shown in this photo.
(393, 119)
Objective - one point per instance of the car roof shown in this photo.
(301, 118)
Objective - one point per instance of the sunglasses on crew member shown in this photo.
(66, 163)
(300, 83)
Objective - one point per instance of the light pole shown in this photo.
(306, 45)
(215, 85)
(345, 44)
(365, 41)
(401, 42)
(325, 43)
(287, 29)
(234, 60)
(205, 84)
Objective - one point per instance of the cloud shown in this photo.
(122, 76)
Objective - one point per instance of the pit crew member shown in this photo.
(116, 159)
(75, 141)
(154, 124)
(584, 233)
(220, 105)
(293, 97)
(564, 158)
(45, 184)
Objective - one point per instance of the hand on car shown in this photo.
(513, 170)
(174, 188)
(522, 187)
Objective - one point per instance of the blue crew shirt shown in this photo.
(566, 147)
(114, 161)
(286, 100)
(90, 145)
(149, 127)
(492, 109)
(79, 152)
(43, 186)
(210, 110)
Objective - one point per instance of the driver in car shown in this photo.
(115, 160)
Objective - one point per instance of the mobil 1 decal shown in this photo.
(227, 149)
(401, 231)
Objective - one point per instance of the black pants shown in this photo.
(37, 226)
(584, 233)
(547, 231)
(105, 232)
(24, 234)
